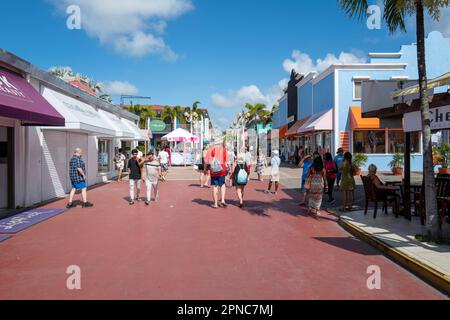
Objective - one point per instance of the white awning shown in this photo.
(120, 129)
(139, 135)
(79, 116)
(318, 122)
(440, 119)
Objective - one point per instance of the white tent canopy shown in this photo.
(180, 135)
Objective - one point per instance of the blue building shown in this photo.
(329, 105)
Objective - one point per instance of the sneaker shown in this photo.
(70, 205)
(266, 191)
(147, 203)
(87, 205)
(131, 203)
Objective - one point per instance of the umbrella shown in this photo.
(180, 135)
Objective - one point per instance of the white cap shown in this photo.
(275, 152)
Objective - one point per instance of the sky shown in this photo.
(221, 53)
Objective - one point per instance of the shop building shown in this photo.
(42, 120)
(329, 104)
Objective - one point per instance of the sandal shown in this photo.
(223, 205)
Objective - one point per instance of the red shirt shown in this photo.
(330, 167)
(221, 154)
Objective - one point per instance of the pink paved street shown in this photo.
(181, 248)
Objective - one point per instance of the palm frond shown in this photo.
(354, 8)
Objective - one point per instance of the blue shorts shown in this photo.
(218, 181)
(338, 176)
(79, 185)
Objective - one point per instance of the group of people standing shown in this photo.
(321, 173)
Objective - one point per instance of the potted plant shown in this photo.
(444, 157)
(397, 164)
(359, 161)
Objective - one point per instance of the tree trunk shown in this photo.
(428, 169)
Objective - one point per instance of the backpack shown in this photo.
(216, 166)
(242, 177)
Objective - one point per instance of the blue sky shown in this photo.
(222, 53)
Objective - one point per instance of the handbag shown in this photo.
(307, 184)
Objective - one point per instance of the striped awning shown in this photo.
(441, 81)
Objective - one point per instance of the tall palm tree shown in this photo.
(174, 114)
(395, 12)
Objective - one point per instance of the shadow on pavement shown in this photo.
(350, 244)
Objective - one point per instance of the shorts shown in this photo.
(79, 185)
(275, 177)
(338, 176)
(164, 167)
(120, 166)
(217, 181)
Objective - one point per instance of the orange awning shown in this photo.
(293, 130)
(358, 122)
(283, 131)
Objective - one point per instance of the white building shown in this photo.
(34, 158)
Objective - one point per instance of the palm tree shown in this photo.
(145, 115)
(395, 12)
(174, 114)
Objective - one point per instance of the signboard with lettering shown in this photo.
(440, 119)
(157, 126)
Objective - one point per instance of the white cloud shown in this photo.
(133, 28)
(249, 94)
(303, 63)
(443, 25)
(121, 87)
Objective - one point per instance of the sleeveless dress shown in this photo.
(316, 190)
(347, 179)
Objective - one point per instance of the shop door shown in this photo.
(54, 164)
(4, 167)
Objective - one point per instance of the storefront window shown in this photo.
(104, 150)
(371, 142)
(396, 141)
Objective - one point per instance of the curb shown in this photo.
(420, 269)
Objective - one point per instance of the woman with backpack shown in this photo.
(331, 170)
(240, 178)
(317, 181)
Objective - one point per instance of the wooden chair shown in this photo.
(375, 196)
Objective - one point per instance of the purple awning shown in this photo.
(19, 100)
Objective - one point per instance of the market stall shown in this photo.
(183, 153)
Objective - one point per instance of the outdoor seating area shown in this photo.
(408, 205)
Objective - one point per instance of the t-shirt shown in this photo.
(222, 155)
(135, 169)
(120, 158)
(339, 161)
(306, 166)
(152, 168)
(163, 157)
(275, 165)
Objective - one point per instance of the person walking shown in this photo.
(339, 159)
(317, 184)
(240, 178)
(152, 174)
(134, 170)
(202, 169)
(261, 165)
(119, 161)
(169, 155)
(331, 170)
(217, 160)
(347, 183)
(305, 164)
(164, 162)
(275, 163)
(77, 173)
(248, 158)
(231, 163)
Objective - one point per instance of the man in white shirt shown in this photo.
(164, 161)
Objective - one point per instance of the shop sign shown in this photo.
(440, 119)
(157, 126)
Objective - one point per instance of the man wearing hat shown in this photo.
(339, 160)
